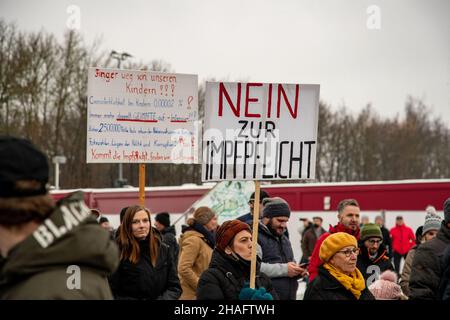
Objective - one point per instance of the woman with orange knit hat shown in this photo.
(338, 278)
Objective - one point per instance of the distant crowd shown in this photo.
(65, 250)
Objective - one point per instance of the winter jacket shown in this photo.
(247, 218)
(427, 266)
(406, 272)
(315, 261)
(142, 281)
(444, 289)
(69, 256)
(387, 240)
(168, 237)
(309, 240)
(403, 239)
(381, 261)
(194, 258)
(327, 287)
(278, 250)
(225, 278)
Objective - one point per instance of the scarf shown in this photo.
(354, 282)
(341, 228)
(210, 237)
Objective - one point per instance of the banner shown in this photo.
(229, 199)
(260, 131)
(142, 117)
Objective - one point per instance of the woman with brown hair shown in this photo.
(147, 270)
(196, 246)
(228, 275)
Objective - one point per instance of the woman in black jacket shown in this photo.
(228, 274)
(147, 269)
(338, 277)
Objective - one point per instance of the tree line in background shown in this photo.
(43, 86)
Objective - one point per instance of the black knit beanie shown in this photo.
(163, 218)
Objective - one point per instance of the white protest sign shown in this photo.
(260, 131)
(141, 117)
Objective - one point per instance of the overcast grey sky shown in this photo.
(299, 41)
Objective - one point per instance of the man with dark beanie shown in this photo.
(426, 269)
(248, 218)
(276, 249)
(48, 250)
(162, 224)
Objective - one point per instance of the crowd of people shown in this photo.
(65, 250)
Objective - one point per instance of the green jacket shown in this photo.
(69, 256)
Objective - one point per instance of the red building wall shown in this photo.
(399, 195)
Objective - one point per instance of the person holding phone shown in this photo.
(276, 249)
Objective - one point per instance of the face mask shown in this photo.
(245, 264)
(316, 225)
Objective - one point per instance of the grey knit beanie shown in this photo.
(276, 207)
(432, 222)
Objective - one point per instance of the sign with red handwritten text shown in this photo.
(142, 117)
(260, 131)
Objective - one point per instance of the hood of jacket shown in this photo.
(170, 229)
(69, 236)
(197, 230)
(341, 228)
(190, 233)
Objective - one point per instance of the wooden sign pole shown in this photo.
(142, 184)
(255, 235)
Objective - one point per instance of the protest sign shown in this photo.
(141, 117)
(260, 131)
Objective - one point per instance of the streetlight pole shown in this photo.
(120, 56)
(57, 160)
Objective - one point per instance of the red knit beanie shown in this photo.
(227, 231)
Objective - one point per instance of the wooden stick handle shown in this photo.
(142, 184)
(254, 235)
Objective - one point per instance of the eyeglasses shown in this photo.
(375, 241)
(349, 252)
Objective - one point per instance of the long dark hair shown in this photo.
(129, 245)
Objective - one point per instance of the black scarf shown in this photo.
(210, 237)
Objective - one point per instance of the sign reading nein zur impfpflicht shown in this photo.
(142, 117)
(260, 131)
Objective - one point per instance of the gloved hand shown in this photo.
(254, 294)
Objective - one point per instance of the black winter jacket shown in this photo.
(387, 241)
(381, 261)
(327, 287)
(168, 237)
(143, 281)
(427, 267)
(444, 290)
(225, 277)
(278, 250)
